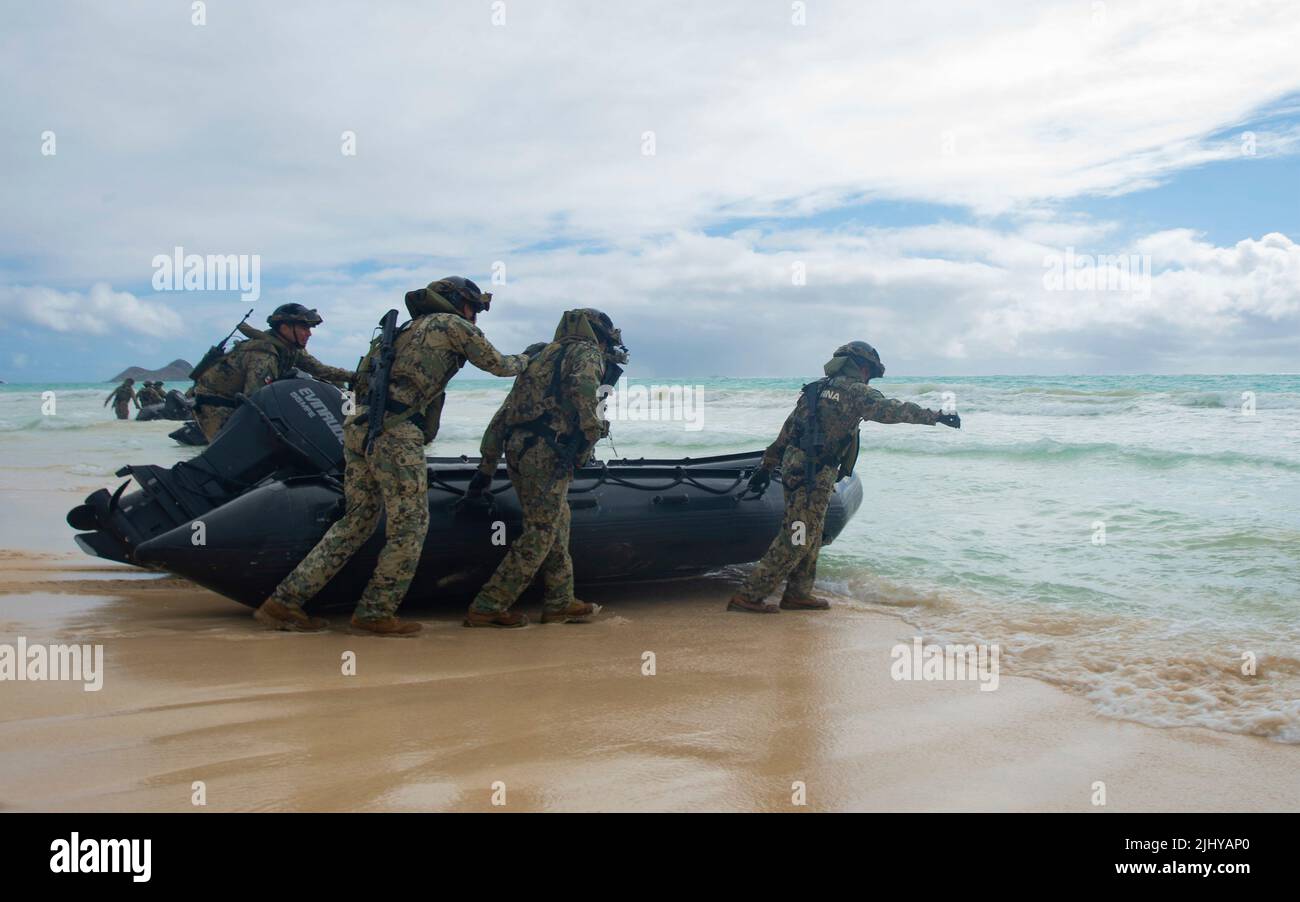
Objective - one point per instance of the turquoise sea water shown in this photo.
(987, 534)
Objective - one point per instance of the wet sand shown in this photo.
(739, 709)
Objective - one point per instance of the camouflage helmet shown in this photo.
(295, 314)
(591, 324)
(865, 356)
(458, 290)
(603, 326)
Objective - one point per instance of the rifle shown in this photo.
(217, 351)
(381, 367)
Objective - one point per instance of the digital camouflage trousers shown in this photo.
(391, 480)
(544, 543)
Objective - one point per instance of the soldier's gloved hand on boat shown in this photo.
(476, 497)
(949, 419)
(478, 485)
(759, 482)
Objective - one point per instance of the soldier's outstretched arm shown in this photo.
(874, 406)
(337, 375)
(480, 352)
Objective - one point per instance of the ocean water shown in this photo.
(1132, 539)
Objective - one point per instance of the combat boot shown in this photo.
(499, 619)
(805, 603)
(386, 626)
(753, 607)
(279, 616)
(573, 612)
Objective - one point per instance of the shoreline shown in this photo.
(738, 710)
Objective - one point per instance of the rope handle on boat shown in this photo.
(606, 477)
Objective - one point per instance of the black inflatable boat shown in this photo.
(240, 515)
(189, 434)
(175, 406)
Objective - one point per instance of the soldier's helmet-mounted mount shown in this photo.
(864, 355)
(446, 295)
(293, 314)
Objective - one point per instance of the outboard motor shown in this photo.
(293, 427)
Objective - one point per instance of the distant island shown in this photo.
(176, 371)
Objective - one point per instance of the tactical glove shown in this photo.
(949, 419)
(478, 484)
(759, 482)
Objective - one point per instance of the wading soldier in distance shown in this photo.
(390, 475)
(122, 396)
(260, 361)
(549, 425)
(817, 447)
(149, 395)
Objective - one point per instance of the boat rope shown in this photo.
(607, 477)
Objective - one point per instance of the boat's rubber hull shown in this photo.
(189, 434)
(617, 533)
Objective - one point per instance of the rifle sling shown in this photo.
(400, 414)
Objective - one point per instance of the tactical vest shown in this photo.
(840, 426)
(226, 376)
(414, 391)
(538, 397)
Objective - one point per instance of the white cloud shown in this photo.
(226, 138)
(931, 298)
(474, 140)
(101, 311)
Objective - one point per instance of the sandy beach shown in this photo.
(738, 710)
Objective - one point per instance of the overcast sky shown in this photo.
(740, 191)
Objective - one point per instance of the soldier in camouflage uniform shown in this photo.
(843, 399)
(149, 395)
(391, 477)
(548, 426)
(122, 396)
(494, 437)
(260, 361)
